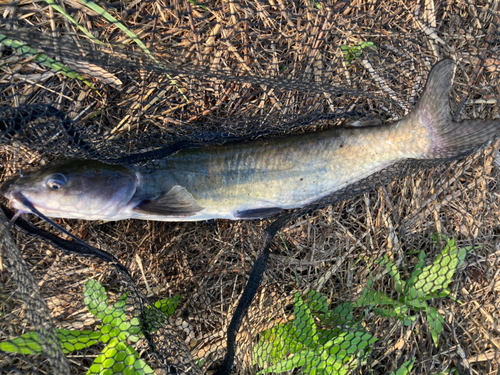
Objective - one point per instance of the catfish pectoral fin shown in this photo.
(176, 202)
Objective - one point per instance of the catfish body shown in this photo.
(253, 179)
(260, 178)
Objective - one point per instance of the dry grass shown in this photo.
(249, 67)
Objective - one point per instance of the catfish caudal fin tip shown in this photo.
(435, 98)
(449, 139)
(460, 139)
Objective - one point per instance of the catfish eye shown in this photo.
(56, 181)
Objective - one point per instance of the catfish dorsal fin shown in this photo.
(176, 202)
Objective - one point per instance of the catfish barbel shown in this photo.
(252, 179)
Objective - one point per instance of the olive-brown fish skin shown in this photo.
(256, 178)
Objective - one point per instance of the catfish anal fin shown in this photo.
(176, 202)
(258, 213)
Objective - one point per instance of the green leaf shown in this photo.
(69, 340)
(119, 357)
(101, 11)
(372, 297)
(72, 340)
(316, 302)
(142, 368)
(393, 272)
(134, 329)
(29, 343)
(95, 298)
(336, 367)
(436, 322)
(340, 315)
(437, 236)
(43, 59)
(405, 368)
(276, 344)
(168, 306)
(119, 321)
(355, 341)
(96, 8)
(417, 270)
(353, 52)
(441, 294)
(304, 323)
(349, 348)
(198, 4)
(400, 314)
(298, 360)
(316, 366)
(439, 274)
(71, 19)
(119, 306)
(368, 44)
(332, 351)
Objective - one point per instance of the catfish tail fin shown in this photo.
(449, 139)
(463, 138)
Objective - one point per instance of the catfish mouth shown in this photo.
(17, 201)
(15, 198)
(5, 188)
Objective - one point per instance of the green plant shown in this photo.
(23, 48)
(101, 11)
(318, 340)
(353, 52)
(405, 368)
(116, 331)
(41, 58)
(198, 4)
(424, 284)
(451, 371)
(61, 10)
(168, 306)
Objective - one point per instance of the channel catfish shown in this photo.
(252, 179)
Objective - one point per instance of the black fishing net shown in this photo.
(395, 274)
